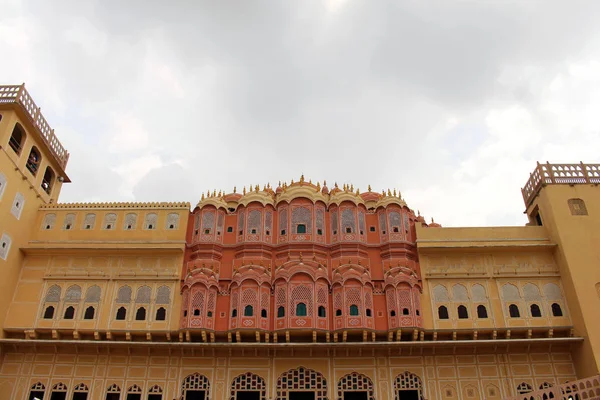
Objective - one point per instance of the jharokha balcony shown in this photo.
(17, 94)
(562, 174)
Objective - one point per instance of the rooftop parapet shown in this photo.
(559, 174)
(16, 94)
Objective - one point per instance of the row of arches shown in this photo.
(110, 221)
(33, 163)
(513, 311)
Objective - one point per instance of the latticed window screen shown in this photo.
(395, 220)
(459, 293)
(81, 388)
(53, 294)
(130, 221)
(404, 298)
(92, 295)
(211, 301)
(390, 295)
(302, 215)
(280, 296)
(382, 224)
(220, 219)
(552, 292)
(348, 220)
(49, 219)
(38, 386)
(248, 382)
(545, 385)
(109, 221)
(524, 388)
(134, 389)
(319, 217)
(198, 302)
(301, 379)
(368, 299)
(355, 382)
(89, 221)
(151, 220)
(283, 219)
(478, 293)
(163, 295)
(322, 296)
(208, 220)
(407, 381)
(334, 221)
(531, 292)
(114, 388)
(361, 221)
(124, 295)
(353, 298)
(577, 207)
(302, 294)
(196, 381)
(337, 301)
(264, 300)
(440, 293)
(510, 292)
(249, 297)
(254, 221)
(241, 221)
(73, 293)
(268, 220)
(143, 294)
(59, 387)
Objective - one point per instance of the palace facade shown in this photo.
(300, 291)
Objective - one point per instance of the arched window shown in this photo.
(353, 309)
(301, 228)
(481, 311)
(393, 313)
(301, 310)
(33, 161)
(89, 313)
(17, 139)
(113, 392)
(405, 311)
(121, 313)
(37, 391)
(368, 312)
(234, 313)
(462, 312)
(161, 314)
(280, 312)
(140, 314)
(513, 310)
(248, 311)
(69, 312)
(80, 392)
(196, 312)
(263, 313)
(49, 312)
(48, 180)
(535, 310)
(556, 310)
(442, 312)
(524, 388)
(322, 312)
(59, 392)
(155, 393)
(338, 312)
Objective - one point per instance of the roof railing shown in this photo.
(18, 95)
(559, 174)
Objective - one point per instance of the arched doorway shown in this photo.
(301, 384)
(248, 386)
(408, 386)
(355, 386)
(195, 387)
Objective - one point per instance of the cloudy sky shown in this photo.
(450, 102)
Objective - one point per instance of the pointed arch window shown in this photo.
(481, 311)
(556, 310)
(353, 309)
(535, 311)
(161, 314)
(140, 314)
(33, 161)
(263, 313)
(69, 312)
(280, 312)
(234, 313)
(513, 310)
(405, 311)
(89, 313)
(121, 313)
(301, 310)
(49, 312)
(17, 139)
(463, 313)
(37, 391)
(248, 311)
(443, 312)
(322, 312)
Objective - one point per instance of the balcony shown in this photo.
(16, 94)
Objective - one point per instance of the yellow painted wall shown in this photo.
(445, 376)
(578, 257)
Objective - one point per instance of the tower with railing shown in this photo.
(32, 172)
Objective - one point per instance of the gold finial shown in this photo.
(256, 188)
(357, 191)
(202, 198)
(302, 178)
(215, 193)
(244, 191)
(219, 193)
(394, 192)
(336, 185)
(369, 188)
(399, 195)
(389, 192)
(279, 183)
(234, 189)
(352, 188)
(292, 182)
(318, 186)
(310, 181)
(383, 192)
(432, 221)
